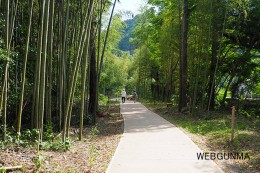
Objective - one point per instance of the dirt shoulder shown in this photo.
(91, 155)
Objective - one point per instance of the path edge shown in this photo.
(115, 153)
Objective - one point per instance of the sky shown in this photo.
(129, 5)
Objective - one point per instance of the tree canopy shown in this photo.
(60, 56)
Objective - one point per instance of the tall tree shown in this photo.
(24, 70)
(218, 25)
(84, 68)
(3, 99)
(37, 78)
(49, 63)
(71, 90)
(43, 68)
(93, 78)
(183, 59)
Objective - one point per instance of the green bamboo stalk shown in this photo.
(105, 43)
(75, 69)
(43, 68)
(50, 54)
(83, 84)
(24, 71)
(4, 88)
(37, 77)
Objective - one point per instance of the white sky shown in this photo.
(129, 5)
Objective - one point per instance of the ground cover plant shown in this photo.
(91, 155)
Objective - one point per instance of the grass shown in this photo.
(215, 130)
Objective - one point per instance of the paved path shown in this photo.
(151, 144)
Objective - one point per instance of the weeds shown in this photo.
(29, 138)
(48, 135)
(39, 160)
(94, 131)
(57, 145)
(92, 158)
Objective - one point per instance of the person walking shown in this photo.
(134, 96)
(123, 95)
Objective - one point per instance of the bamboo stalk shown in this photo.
(24, 71)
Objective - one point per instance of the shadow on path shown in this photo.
(151, 144)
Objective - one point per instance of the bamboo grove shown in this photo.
(195, 52)
(56, 57)
(48, 50)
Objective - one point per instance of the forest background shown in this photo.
(67, 57)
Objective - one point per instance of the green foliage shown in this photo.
(48, 134)
(57, 145)
(61, 146)
(174, 99)
(2, 145)
(124, 43)
(257, 88)
(2, 170)
(12, 137)
(92, 152)
(243, 15)
(38, 160)
(3, 55)
(115, 31)
(152, 66)
(156, 37)
(115, 73)
(218, 122)
(30, 135)
(29, 138)
(102, 99)
(94, 130)
(7, 56)
(250, 113)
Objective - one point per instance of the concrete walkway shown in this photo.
(151, 144)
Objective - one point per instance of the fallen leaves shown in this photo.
(79, 158)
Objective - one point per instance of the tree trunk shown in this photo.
(226, 90)
(183, 60)
(216, 27)
(43, 69)
(4, 111)
(105, 43)
(93, 81)
(49, 62)
(71, 89)
(84, 70)
(3, 100)
(37, 78)
(212, 90)
(24, 70)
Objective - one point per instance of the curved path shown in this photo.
(151, 144)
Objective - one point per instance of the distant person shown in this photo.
(134, 96)
(123, 95)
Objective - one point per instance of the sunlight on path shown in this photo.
(151, 144)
